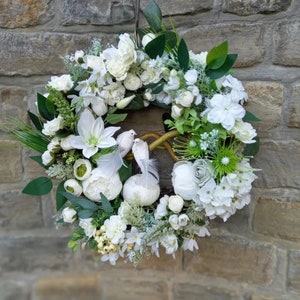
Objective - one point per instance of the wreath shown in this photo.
(111, 208)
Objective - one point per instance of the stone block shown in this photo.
(244, 39)
(97, 12)
(294, 111)
(233, 258)
(12, 289)
(279, 164)
(27, 53)
(293, 271)
(24, 13)
(251, 7)
(196, 292)
(69, 286)
(28, 254)
(265, 101)
(127, 289)
(10, 162)
(19, 211)
(277, 219)
(287, 43)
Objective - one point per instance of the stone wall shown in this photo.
(253, 256)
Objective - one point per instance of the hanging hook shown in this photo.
(137, 19)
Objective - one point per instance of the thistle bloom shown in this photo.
(92, 134)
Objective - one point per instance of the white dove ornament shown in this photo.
(125, 141)
(142, 189)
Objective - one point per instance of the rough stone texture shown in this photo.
(294, 112)
(83, 287)
(265, 101)
(251, 7)
(246, 40)
(97, 12)
(196, 292)
(23, 13)
(10, 162)
(233, 258)
(277, 219)
(287, 43)
(294, 270)
(179, 7)
(279, 164)
(135, 290)
(28, 254)
(33, 53)
(19, 211)
(12, 289)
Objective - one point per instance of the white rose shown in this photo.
(82, 169)
(96, 184)
(65, 144)
(51, 127)
(244, 132)
(87, 226)
(47, 158)
(176, 111)
(113, 93)
(170, 242)
(183, 180)
(183, 220)
(117, 68)
(99, 106)
(175, 204)
(132, 82)
(147, 38)
(73, 187)
(54, 145)
(173, 220)
(200, 58)
(204, 171)
(161, 209)
(185, 98)
(68, 214)
(61, 83)
(191, 77)
(126, 49)
(134, 191)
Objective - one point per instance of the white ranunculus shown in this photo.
(170, 242)
(68, 214)
(99, 106)
(73, 187)
(88, 227)
(244, 132)
(132, 82)
(47, 158)
(134, 191)
(204, 171)
(175, 203)
(147, 38)
(185, 98)
(82, 169)
(96, 184)
(184, 180)
(61, 83)
(176, 111)
(51, 127)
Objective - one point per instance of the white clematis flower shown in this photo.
(92, 134)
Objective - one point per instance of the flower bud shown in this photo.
(175, 203)
(73, 187)
(82, 169)
(124, 102)
(68, 215)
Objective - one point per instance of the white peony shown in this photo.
(97, 184)
(117, 68)
(68, 215)
(61, 83)
(175, 203)
(244, 132)
(73, 187)
(51, 127)
(88, 227)
(82, 169)
(132, 82)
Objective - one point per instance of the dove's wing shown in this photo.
(109, 164)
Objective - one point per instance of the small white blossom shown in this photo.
(68, 215)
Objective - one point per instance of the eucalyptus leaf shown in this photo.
(183, 55)
(60, 199)
(153, 16)
(39, 186)
(86, 213)
(81, 202)
(156, 47)
(250, 117)
(106, 206)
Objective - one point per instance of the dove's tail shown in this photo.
(149, 172)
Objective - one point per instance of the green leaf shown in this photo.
(153, 16)
(171, 39)
(156, 88)
(183, 55)
(156, 47)
(136, 104)
(250, 117)
(46, 107)
(125, 172)
(86, 213)
(39, 186)
(38, 159)
(252, 149)
(115, 118)
(217, 56)
(223, 70)
(106, 204)
(36, 121)
(81, 202)
(60, 199)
